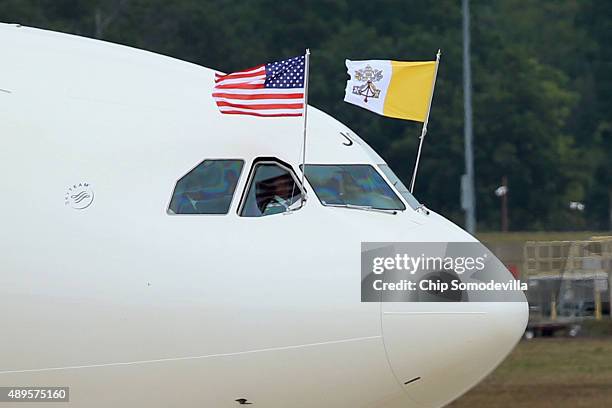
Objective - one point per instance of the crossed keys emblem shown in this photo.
(368, 89)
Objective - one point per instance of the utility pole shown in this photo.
(468, 198)
(502, 193)
(610, 207)
(504, 205)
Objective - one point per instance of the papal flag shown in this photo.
(392, 88)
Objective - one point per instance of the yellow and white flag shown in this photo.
(392, 88)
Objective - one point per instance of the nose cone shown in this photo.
(449, 347)
(439, 349)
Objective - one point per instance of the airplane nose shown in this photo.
(438, 351)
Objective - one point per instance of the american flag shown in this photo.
(274, 89)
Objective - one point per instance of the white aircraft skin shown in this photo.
(131, 306)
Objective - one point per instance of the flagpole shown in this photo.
(306, 74)
(424, 129)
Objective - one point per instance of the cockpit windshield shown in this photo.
(352, 185)
(399, 186)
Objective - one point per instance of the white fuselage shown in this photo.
(130, 306)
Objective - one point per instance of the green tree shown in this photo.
(541, 72)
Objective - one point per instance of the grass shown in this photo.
(522, 236)
(549, 372)
(554, 372)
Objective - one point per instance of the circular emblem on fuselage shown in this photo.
(79, 196)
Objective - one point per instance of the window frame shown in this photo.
(249, 180)
(376, 170)
(172, 213)
(395, 188)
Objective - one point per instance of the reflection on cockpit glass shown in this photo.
(352, 185)
(399, 186)
(272, 190)
(207, 189)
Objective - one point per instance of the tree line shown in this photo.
(542, 84)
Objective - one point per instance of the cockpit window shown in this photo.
(399, 186)
(207, 189)
(352, 185)
(272, 189)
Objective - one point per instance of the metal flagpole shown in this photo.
(306, 73)
(424, 130)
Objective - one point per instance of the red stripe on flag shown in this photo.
(260, 114)
(238, 75)
(263, 105)
(244, 71)
(240, 86)
(258, 96)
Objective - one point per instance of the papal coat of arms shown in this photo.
(369, 76)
